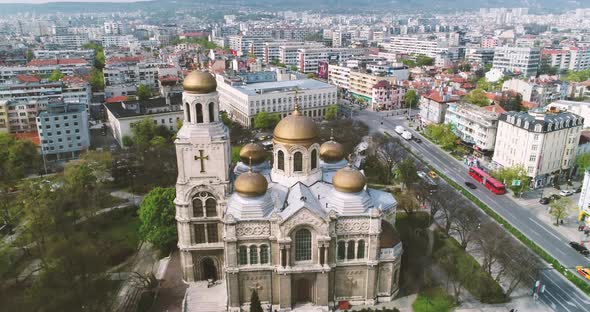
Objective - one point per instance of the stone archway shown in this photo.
(302, 291)
(209, 269)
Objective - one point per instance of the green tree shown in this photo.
(225, 119)
(411, 98)
(331, 112)
(442, 135)
(99, 59)
(255, 305)
(477, 97)
(157, 215)
(293, 68)
(311, 75)
(143, 92)
(56, 75)
(17, 159)
(264, 120)
(30, 55)
(127, 141)
(483, 84)
(560, 208)
(510, 101)
(407, 172)
(96, 80)
(583, 162)
(577, 76)
(423, 60)
(509, 174)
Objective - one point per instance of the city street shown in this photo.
(560, 294)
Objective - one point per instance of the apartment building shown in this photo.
(481, 56)
(44, 67)
(4, 127)
(433, 106)
(358, 82)
(415, 46)
(543, 141)
(70, 41)
(63, 131)
(272, 50)
(123, 41)
(518, 60)
(132, 70)
(536, 90)
(289, 54)
(581, 109)
(567, 58)
(386, 96)
(308, 59)
(86, 54)
(474, 125)
(245, 45)
(243, 101)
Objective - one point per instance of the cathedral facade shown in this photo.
(304, 230)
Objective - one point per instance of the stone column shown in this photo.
(321, 283)
(233, 288)
(248, 255)
(346, 250)
(320, 251)
(371, 284)
(285, 297)
(187, 266)
(288, 251)
(326, 255)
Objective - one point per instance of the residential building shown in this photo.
(71, 41)
(433, 106)
(4, 126)
(124, 114)
(415, 46)
(474, 125)
(567, 58)
(483, 56)
(581, 109)
(386, 96)
(272, 50)
(246, 45)
(489, 43)
(132, 70)
(584, 201)
(44, 67)
(524, 61)
(537, 90)
(358, 82)
(86, 54)
(308, 59)
(63, 131)
(243, 100)
(289, 54)
(542, 141)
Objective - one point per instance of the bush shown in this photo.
(433, 300)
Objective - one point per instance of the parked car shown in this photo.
(470, 185)
(417, 140)
(432, 174)
(421, 174)
(580, 248)
(578, 190)
(544, 201)
(554, 197)
(566, 192)
(585, 272)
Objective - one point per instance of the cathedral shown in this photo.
(302, 229)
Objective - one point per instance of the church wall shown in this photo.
(350, 283)
(260, 280)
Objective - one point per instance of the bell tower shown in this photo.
(202, 186)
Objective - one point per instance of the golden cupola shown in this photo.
(331, 151)
(253, 152)
(349, 180)
(198, 82)
(296, 129)
(251, 184)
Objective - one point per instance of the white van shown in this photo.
(399, 129)
(407, 135)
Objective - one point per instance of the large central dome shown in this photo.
(198, 82)
(296, 129)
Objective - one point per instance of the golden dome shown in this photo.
(251, 184)
(296, 129)
(331, 151)
(348, 180)
(199, 82)
(252, 152)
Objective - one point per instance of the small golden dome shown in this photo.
(296, 129)
(251, 184)
(254, 152)
(199, 82)
(348, 180)
(331, 151)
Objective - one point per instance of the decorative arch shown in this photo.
(297, 161)
(188, 196)
(208, 267)
(211, 110)
(187, 109)
(281, 160)
(199, 112)
(303, 243)
(204, 204)
(314, 159)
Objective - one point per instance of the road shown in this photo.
(560, 294)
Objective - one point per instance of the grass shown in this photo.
(481, 285)
(433, 300)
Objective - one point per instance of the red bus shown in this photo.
(484, 178)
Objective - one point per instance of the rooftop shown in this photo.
(144, 107)
(281, 86)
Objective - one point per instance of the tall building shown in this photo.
(543, 142)
(518, 60)
(568, 58)
(63, 131)
(415, 46)
(308, 59)
(482, 56)
(305, 230)
(474, 125)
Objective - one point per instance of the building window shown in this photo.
(243, 255)
(350, 250)
(199, 109)
(281, 160)
(360, 250)
(302, 245)
(200, 234)
(211, 112)
(533, 158)
(253, 254)
(263, 254)
(314, 159)
(197, 207)
(210, 207)
(212, 233)
(188, 112)
(297, 162)
(341, 250)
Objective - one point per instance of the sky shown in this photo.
(45, 1)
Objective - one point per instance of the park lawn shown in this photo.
(482, 285)
(433, 300)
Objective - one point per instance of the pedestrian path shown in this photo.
(200, 298)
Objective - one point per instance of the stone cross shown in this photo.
(256, 287)
(202, 158)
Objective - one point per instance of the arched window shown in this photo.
(199, 113)
(314, 159)
(350, 251)
(211, 112)
(187, 108)
(302, 245)
(210, 207)
(243, 255)
(297, 162)
(253, 254)
(263, 254)
(360, 250)
(281, 160)
(197, 207)
(341, 250)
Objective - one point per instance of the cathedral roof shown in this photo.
(296, 129)
(199, 82)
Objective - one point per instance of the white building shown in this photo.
(433, 107)
(543, 142)
(289, 54)
(285, 50)
(567, 58)
(474, 125)
(308, 59)
(581, 109)
(86, 54)
(245, 45)
(71, 41)
(63, 131)
(243, 101)
(584, 201)
(517, 60)
(132, 70)
(482, 56)
(415, 46)
(538, 91)
(360, 83)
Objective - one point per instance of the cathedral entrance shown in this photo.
(209, 269)
(302, 290)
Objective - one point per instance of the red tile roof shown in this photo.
(32, 136)
(495, 108)
(529, 105)
(382, 84)
(116, 99)
(124, 59)
(27, 78)
(65, 61)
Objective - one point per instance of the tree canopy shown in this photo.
(583, 162)
(143, 92)
(442, 135)
(411, 98)
(56, 75)
(157, 215)
(477, 97)
(264, 120)
(331, 112)
(508, 175)
(578, 76)
(17, 159)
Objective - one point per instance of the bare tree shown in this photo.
(407, 201)
(491, 240)
(466, 225)
(448, 206)
(458, 270)
(521, 265)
